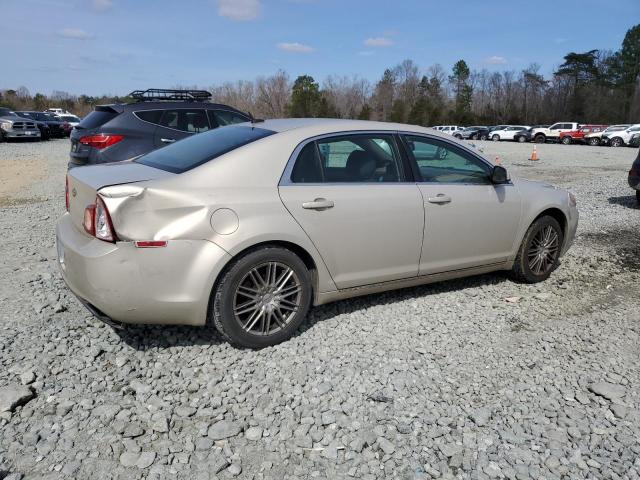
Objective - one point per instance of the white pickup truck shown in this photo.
(541, 135)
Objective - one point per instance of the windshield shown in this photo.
(201, 148)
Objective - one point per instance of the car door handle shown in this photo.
(167, 140)
(440, 199)
(318, 204)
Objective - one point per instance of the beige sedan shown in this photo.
(246, 226)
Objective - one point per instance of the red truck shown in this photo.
(577, 136)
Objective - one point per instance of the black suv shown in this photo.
(55, 124)
(113, 133)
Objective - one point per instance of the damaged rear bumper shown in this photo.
(120, 283)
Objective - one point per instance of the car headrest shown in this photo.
(360, 166)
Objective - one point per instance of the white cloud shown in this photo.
(75, 33)
(378, 42)
(101, 5)
(496, 60)
(239, 10)
(295, 47)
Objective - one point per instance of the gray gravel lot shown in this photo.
(444, 381)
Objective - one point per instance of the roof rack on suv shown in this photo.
(153, 94)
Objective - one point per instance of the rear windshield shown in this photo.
(198, 149)
(96, 119)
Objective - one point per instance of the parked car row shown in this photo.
(35, 125)
(566, 133)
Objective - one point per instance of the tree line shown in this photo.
(596, 86)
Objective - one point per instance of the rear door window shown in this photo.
(362, 158)
(192, 121)
(151, 116)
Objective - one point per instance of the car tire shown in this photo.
(495, 138)
(545, 236)
(566, 140)
(521, 139)
(474, 137)
(459, 137)
(263, 318)
(594, 142)
(616, 142)
(540, 139)
(484, 137)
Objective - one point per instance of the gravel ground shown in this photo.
(475, 378)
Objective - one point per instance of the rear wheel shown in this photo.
(262, 298)
(539, 252)
(540, 139)
(521, 139)
(566, 140)
(484, 136)
(594, 142)
(495, 138)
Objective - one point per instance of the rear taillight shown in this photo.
(97, 221)
(103, 225)
(88, 221)
(100, 141)
(66, 192)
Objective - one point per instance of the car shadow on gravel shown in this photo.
(330, 310)
(145, 337)
(628, 201)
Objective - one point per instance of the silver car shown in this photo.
(245, 227)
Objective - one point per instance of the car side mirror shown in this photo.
(499, 175)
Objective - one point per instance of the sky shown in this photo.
(115, 46)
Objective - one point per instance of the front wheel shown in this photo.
(484, 137)
(521, 139)
(594, 142)
(496, 138)
(566, 140)
(540, 139)
(616, 142)
(539, 252)
(262, 298)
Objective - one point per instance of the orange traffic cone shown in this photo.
(534, 155)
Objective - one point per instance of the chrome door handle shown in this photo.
(318, 204)
(440, 199)
(167, 140)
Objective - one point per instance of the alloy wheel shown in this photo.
(267, 298)
(543, 250)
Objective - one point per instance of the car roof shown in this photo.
(320, 126)
(168, 104)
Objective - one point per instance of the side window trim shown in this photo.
(430, 138)
(286, 180)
